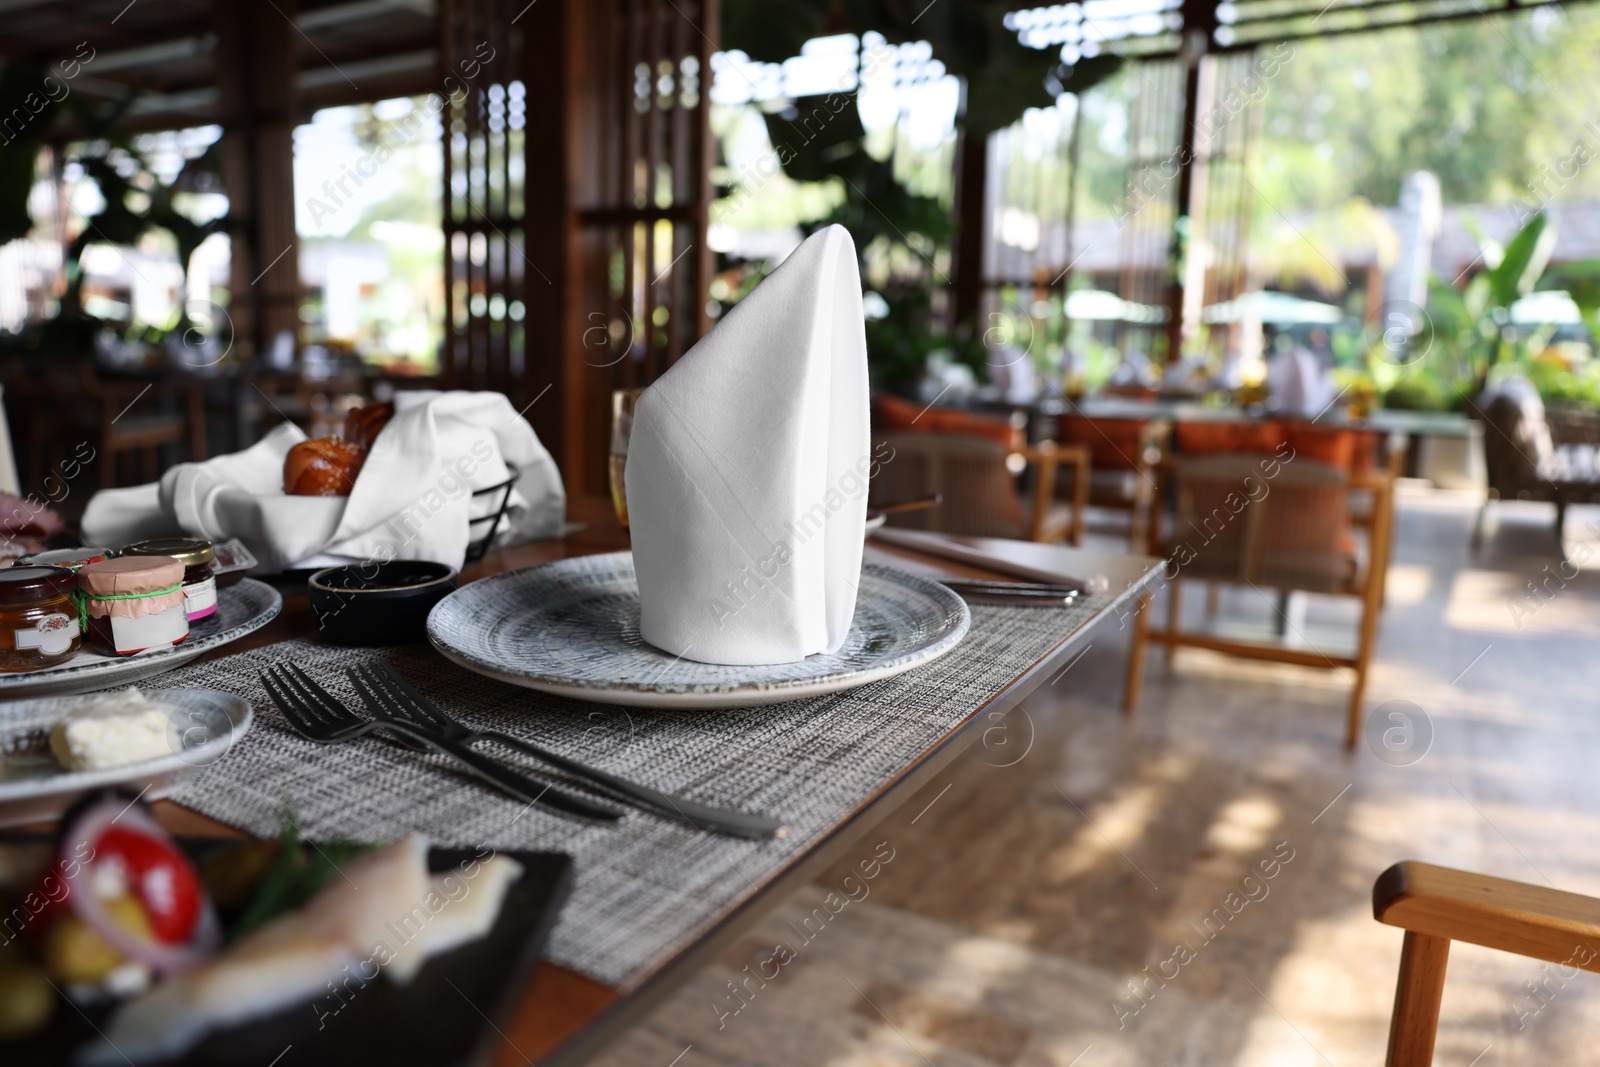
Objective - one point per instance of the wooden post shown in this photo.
(257, 69)
(1199, 25)
(1417, 994)
(971, 191)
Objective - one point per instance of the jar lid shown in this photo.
(24, 581)
(130, 574)
(71, 558)
(191, 552)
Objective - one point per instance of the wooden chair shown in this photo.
(1123, 454)
(126, 417)
(1287, 531)
(1437, 905)
(977, 479)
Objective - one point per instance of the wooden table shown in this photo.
(566, 1018)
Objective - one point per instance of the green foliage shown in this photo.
(1003, 76)
(1489, 105)
(1581, 280)
(1556, 381)
(296, 875)
(1474, 323)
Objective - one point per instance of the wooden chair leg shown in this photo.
(1141, 639)
(1417, 994)
(1174, 620)
(1483, 517)
(1080, 495)
(1372, 597)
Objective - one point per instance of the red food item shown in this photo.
(362, 425)
(160, 876)
(324, 466)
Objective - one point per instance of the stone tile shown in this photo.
(1075, 850)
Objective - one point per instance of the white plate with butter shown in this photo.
(113, 740)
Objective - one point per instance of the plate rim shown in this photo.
(22, 681)
(748, 694)
(160, 767)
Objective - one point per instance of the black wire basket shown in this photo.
(482, 530)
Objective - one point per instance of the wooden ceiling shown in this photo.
(348, 51)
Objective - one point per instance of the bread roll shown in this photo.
(362, 425)
(324, 466)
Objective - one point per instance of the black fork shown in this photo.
(393, 699)
(317, 716)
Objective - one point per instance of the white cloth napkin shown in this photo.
(412, 499)
(1298, 384)
(747, 471)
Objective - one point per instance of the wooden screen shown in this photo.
(484, 124)
(577, 188)
(1146, 224)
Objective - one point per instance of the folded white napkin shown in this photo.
(747, 471)
(412, 499)
(1298, 384)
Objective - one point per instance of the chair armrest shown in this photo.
(1373, 479)
(1043, 456)
(1528, 920)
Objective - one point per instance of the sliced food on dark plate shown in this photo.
(122, 945)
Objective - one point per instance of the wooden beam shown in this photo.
(971, 191)
(257, 58)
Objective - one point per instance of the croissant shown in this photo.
(362, 425)
(323, 466)
(327, 466)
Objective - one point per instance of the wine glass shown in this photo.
(622, 402)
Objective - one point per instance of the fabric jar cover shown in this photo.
(131, 575)
(747, 471)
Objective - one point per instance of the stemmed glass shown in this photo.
(622, 402)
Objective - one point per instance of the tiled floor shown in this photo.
(1038, 893)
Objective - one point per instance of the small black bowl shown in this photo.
(378, 603)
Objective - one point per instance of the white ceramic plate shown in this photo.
(572, 628)
(241, 609)
(34, 788)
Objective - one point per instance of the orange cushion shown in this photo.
(1206, 438)
(1334, 447)
(1337, 447)
(895, 414)
(1113, 443)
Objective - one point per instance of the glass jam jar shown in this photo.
(199, 580)
(70, 558)
(38, 618)
(133, 603)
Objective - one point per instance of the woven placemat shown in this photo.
(645, 886)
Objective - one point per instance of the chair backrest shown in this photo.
(970, 473)
(1517, 446)
(1244, 517)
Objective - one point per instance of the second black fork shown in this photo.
(390, 697)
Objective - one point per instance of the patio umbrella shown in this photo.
(1097, 305)
(1271, 308)
(1547, 306)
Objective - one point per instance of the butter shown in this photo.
(113, 730)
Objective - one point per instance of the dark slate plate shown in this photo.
(446, 1016)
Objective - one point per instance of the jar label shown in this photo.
(200, 598)
(51, 635)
